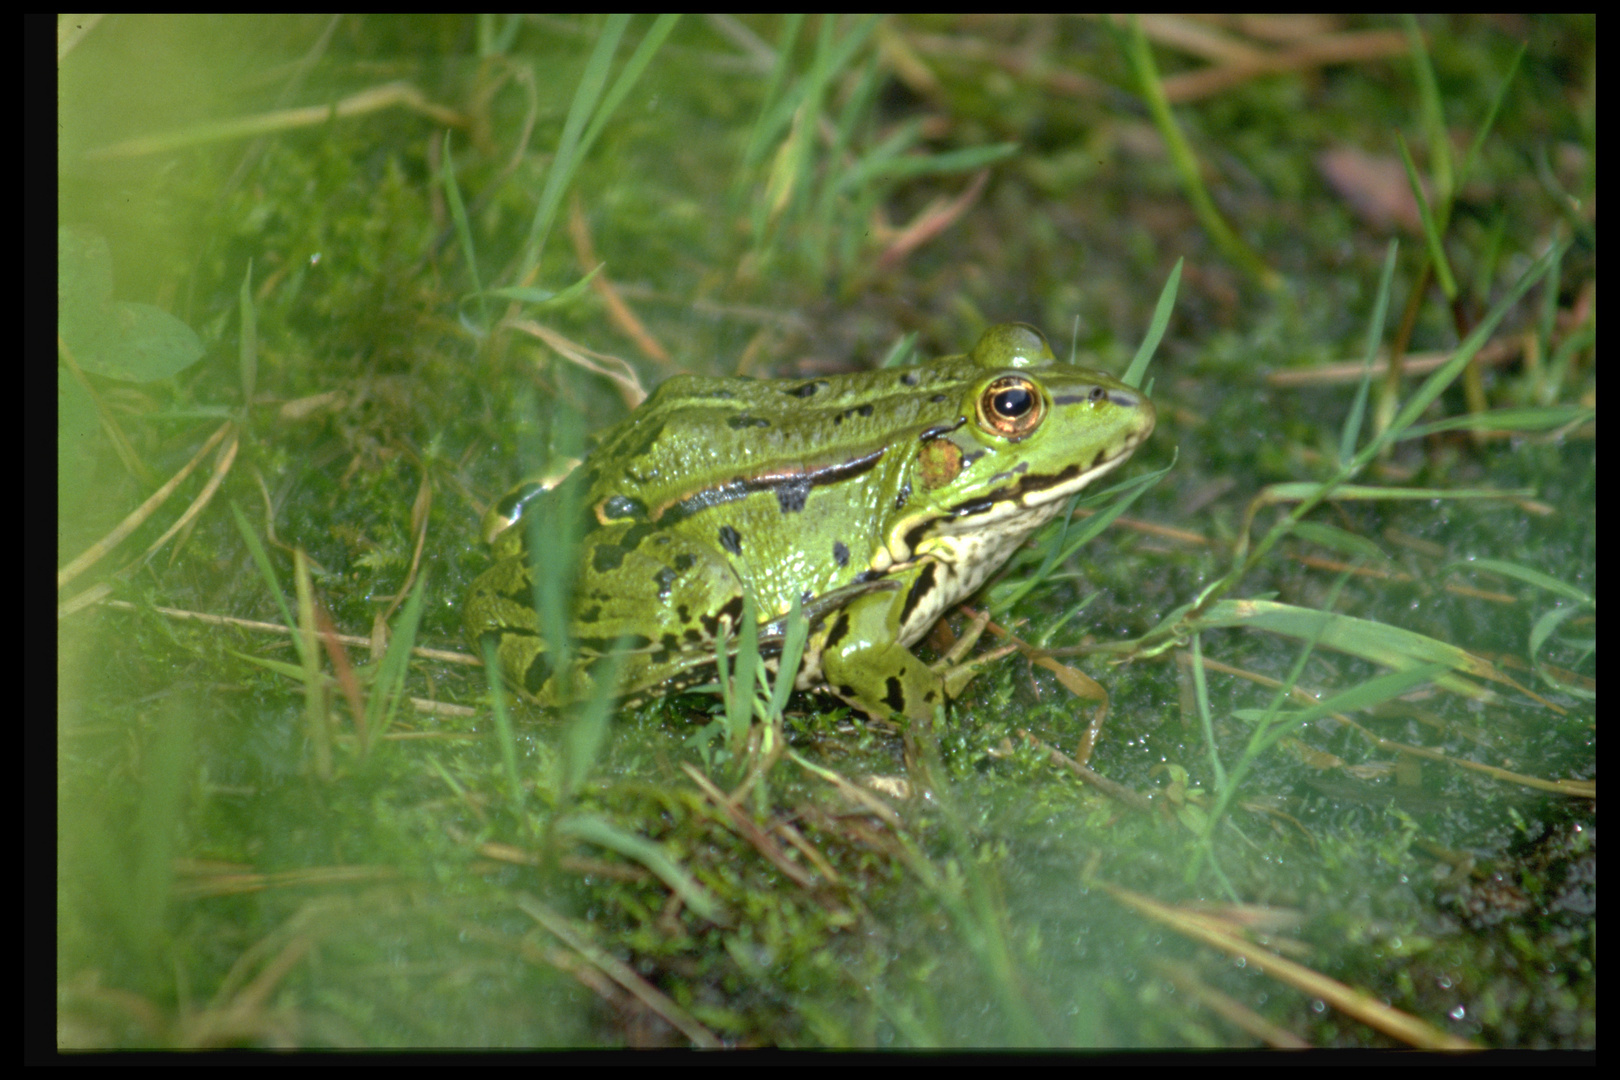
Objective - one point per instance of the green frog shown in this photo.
(877, 500)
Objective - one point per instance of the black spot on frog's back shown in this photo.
(538, 674)
(730, 613)
(792, 494)
(619, 507)
(606, 558)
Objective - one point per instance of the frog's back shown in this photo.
(700, 426)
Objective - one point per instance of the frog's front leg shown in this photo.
(864, 663)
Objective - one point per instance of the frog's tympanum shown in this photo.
(878, 499)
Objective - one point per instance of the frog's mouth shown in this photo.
(1014, 509)
(1034, 490)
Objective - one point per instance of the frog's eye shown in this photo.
(1011, 407)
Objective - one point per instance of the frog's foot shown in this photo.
(956, 673)
(955, 677)
(964, 644)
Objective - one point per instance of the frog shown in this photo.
(872, 502)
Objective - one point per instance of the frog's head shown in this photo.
(1028, 432)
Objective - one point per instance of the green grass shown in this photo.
(1346, 627)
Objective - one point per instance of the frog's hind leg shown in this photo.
(665, 600)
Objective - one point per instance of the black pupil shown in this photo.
(1014, 402)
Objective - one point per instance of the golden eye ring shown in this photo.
(1011, 407)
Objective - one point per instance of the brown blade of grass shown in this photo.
(933, 220)
(1577, 788)
(650, 996)
(138, 516)
(342, 670)
(109, 423)
(744, 827)
(222, 466)
(1112, 788)
(609, 367)
(619, 312)
(443, 656)
(386, 96)
(1184, 977)
(1347, 999)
